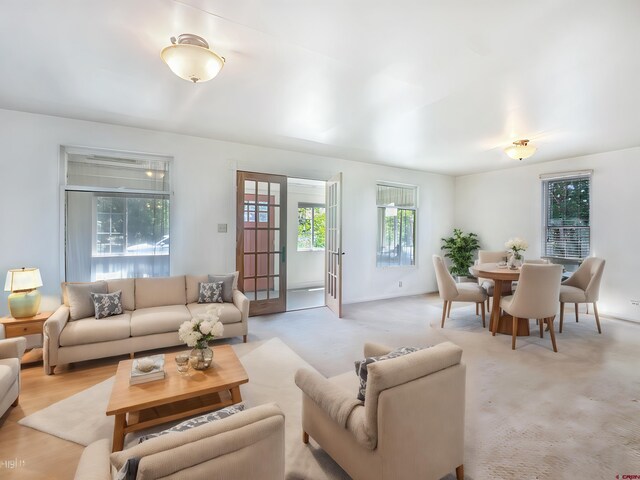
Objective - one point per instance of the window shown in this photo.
(567, 227)
(397, 207)
(311, 219)
(117, 210)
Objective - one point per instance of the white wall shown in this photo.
(304, 268)
(204, 195)
(506, 203)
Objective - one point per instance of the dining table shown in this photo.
(501, 274)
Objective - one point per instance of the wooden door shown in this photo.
(333, 245)
(261, 241)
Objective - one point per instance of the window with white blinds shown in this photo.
(117, 209)
(567, 219)
(397, 211)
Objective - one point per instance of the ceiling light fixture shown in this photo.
(520, 149)
(189, 57)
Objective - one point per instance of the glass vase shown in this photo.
(515, 261)
(201, 357)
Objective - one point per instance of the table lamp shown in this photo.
(24, 300)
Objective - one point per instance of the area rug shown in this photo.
(271, 367)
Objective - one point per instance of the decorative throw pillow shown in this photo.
(197, 421)
(227, 285)
(107, 304)
(210, 292)
(79, 296)
(361, 365)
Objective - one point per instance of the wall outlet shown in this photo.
(222, 228)
(400, 284)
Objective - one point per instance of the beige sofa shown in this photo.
(411, 424)
(154, 308)
(248, 445)
(11, 351)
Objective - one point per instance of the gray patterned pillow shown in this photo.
(107, 304)
(361, 366)
(197, 421)
(210, 292)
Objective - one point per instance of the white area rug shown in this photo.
(271, 367)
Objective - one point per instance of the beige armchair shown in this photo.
(245, 446)
(450, 291)
(583, 287)
(538, 289)
(11, 351)
(411, 424)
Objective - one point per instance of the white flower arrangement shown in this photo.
(516, 245)
(203, 328)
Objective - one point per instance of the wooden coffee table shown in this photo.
(137, 407)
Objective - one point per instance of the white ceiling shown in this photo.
(440, 86)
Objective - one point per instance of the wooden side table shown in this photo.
(19, 327)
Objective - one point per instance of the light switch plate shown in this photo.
(222, 228)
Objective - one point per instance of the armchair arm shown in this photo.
(52, 329)
(94, 462)
(242, 302)
(334, 400)
(13, 347)
(375, 349)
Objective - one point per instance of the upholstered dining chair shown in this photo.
(450, 291)
(538, 286)
(488, 256)
(583, 287)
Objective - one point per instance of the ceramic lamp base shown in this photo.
(24, 304)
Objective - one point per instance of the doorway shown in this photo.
(306, 218)
(293, 268)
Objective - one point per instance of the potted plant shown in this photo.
(460, 249)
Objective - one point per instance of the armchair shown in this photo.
(247, 445)
(411, 424)
(11, 351)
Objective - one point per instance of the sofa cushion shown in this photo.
(227, 285)
(193, 286)
(147, 321)
(197, 421)
(79, 298)
(230, 313)
(9, 371)
(210, 292)
(127, 287)
(161, 291)
(90, 330)
(107, 304)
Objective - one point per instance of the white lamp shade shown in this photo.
(519, 151)
(22, 279)
(191, 62)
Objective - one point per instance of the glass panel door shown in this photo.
(261, 241)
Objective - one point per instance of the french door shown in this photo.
(333, 245)
(261, 241)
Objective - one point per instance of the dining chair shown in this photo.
(535, 298)
(533, 261)
(450, 291)
(488, 256)
(583, 287)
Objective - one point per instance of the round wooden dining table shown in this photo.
(500, 275)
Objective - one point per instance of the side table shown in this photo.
(19, 327)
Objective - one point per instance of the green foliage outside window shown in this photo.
(311, 228)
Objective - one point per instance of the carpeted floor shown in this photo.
(531, 413)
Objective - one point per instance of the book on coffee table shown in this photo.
(140, 375)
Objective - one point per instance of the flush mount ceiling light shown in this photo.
(189, 57)
(520, 149)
